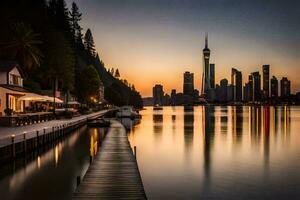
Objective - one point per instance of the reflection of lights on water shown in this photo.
(94, 143)
(285, 120)
(21, 175)
(39, 162)
(56, 154)
(249, 122)
(256, 122)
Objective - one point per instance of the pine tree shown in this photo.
(133, 87)
(62, 15)
(117, 73)
(112, 71)
(75, 27)
(89, 43)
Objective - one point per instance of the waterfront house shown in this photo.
(11, 87)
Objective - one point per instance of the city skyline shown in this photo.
(147, 40)
(257, 89)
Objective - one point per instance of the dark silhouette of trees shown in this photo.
(90, 84)
(23, 45)
(89, 43)
(60, 15)
(46, 33)
(133, 87)
(75, 27)
(59, 54)
(117, 73)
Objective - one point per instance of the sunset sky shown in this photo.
(156, 41)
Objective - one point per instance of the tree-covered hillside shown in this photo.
(46, 39)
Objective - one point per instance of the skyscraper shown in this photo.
(173, 97)
(223, 90)
(229, 93)
(206, 72)
(188, 83)
(237, 83)
(256, 87)
(250, 82)
(212, 75)
(158, 94)
(274, 87)
(266, 84)
(285, 87)
(248, 89)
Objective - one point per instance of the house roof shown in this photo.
(14, 88)
(7, 66)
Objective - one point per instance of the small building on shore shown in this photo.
(11, 87)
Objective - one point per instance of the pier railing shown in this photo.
(22, 142)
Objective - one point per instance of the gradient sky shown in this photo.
(156, 41)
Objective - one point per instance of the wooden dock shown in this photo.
(114, 173)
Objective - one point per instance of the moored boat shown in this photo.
(99, 123)
(128, 112)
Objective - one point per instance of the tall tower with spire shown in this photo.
(206, 72)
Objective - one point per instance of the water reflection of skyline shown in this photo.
(158, 119)
(263, 122)
(208, 116)
(213, 147)
(188, 130)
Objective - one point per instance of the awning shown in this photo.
(39, 98)
(51, 99)
(73, 103)
(32, 97)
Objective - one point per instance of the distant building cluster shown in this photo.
(257, 90)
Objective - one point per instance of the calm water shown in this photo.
(207, 152)
(219, 152)
(52, 174)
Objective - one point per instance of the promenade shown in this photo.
(30, 130)
(114, 173)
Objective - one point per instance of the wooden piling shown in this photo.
(24, 143)
(44, 135)
(78, 181)
(135, 152)
(37, 140)
(13, 153)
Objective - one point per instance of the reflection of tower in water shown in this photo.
(208, 130)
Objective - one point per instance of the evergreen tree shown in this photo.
(59, 14)
(59, 66)
(89, 43)
(75, 27)
(117, 73)
(112, 71)
(62, 16)
(133, 87)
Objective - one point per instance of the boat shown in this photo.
(128, 112)
(99, 123)
(157, 107)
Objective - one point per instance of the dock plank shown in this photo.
(114, 173)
